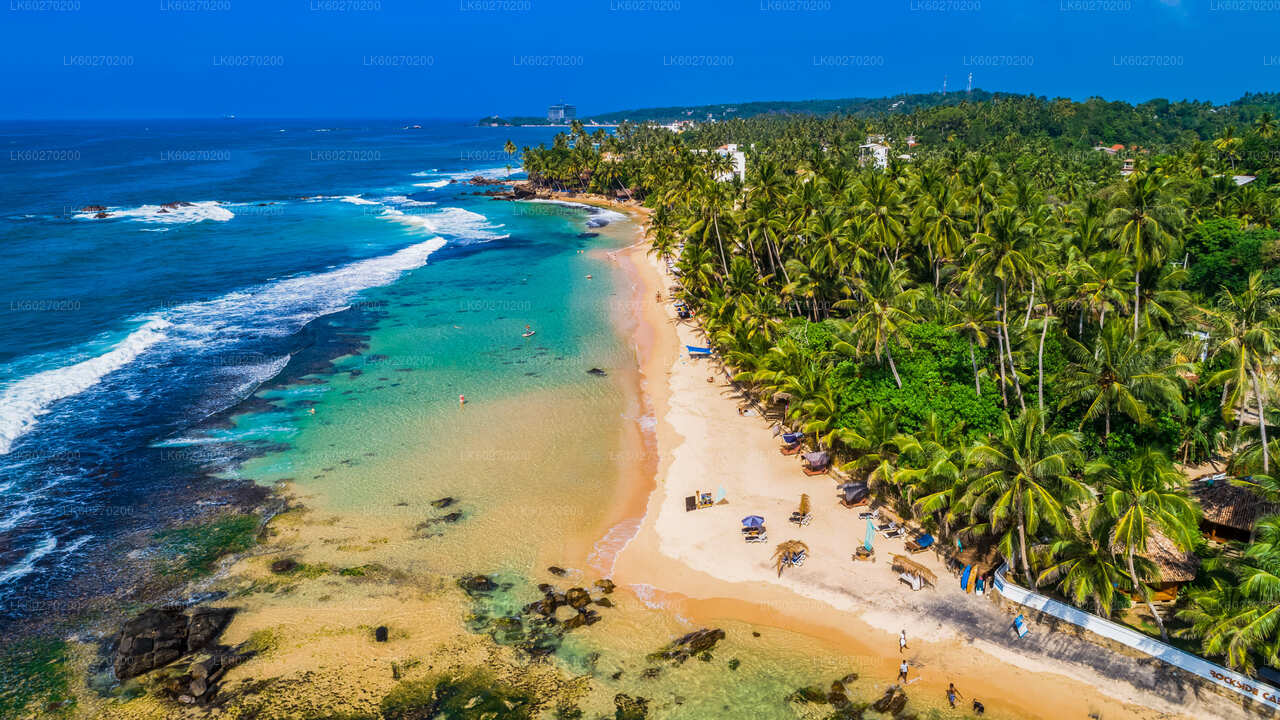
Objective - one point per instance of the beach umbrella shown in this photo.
(753, 521)
(871, 533)
(784, 552)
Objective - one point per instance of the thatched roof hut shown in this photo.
(1176, 566)
(1226, 506)
(904, 564)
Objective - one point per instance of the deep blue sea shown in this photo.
(121, 333)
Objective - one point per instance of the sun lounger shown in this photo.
(793, 449)
(690, 503)
(799, 519)
(862, 553)
(920, 544)
(811, 471)
(892, 530)
(873, 515)
(757, 537)
(1020, 626)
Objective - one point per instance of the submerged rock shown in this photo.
(442, 503)
(557, 571)
(606, 585)
(577, 598)
(698, 642)
(284, 565)
(597, 372)
(477, 585)
(892, 702)
(630, 708)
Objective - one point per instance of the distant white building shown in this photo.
(874, 150)
(738, 158)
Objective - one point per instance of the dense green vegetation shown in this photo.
(34, 679)
(1009, 339)
(192, 550)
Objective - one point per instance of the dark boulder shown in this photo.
(477, 585)
(577, 598)
(158, 636)
(557, 571)
(597, 372)
(380, 633)
(606, 585)
(442, 503)
(630, 708)
(284, 565)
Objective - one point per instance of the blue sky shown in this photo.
(467, 58)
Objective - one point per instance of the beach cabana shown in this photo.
(854, 494)
(913, 573)
(1229, 510)
(817, 463)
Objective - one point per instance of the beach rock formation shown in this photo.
(477, 585)
(606, 585)
(158, 636)
(577, 598)
(557, 571)
(630, 708)
(93, 208)
(442, 503)
(695, 643)
(597, 372)
(892, 702)
(284, 565)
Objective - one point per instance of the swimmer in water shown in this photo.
(462, 400)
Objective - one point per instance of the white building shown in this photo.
(875, 150)
(739, 163)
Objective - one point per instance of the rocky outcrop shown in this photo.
(93, 208)
(696, 643)
(630, 708)
(892, 702)
(159, 636)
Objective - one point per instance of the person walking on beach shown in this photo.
(952, 694)
(902, 641)
(902, 672)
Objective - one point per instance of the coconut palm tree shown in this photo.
(1247, 335)
(1021, 481)
(1137, 499)
(1085, 569)
(1120, 376)
(883, 307)
(1238, 617)
(1144, 222)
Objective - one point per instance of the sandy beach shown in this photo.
(700, 564)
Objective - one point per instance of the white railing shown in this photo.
(1216, 674)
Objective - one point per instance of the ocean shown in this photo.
(132, 346)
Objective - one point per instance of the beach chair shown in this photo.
(1020, 627)
(892, 531)
(704, 499)
(873, 515)
(862, 553)
(762, 536)
(802, 516)
(920, 544)
(798, 559)
(792, 449)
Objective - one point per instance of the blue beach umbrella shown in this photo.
(871, 532)
(752, 521)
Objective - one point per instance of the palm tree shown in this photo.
(1239, 616)
(510, 149)
(1022, 481)
(976, 320)
(883, 308)
(1085, 569)
(1137, 499)
(1246, 334)
(1121, 376)
(1265, 124)
(1144, 222)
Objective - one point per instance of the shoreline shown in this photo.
(696, 575)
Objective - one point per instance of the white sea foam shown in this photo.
(436, 184)
(277, 308)
(28, 563)
(357, 200)
(449, 221)
(595, 212)
(406, 201)
(29, 398)
(189, 213)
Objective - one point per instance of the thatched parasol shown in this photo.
(804, 503)
(785, 551)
